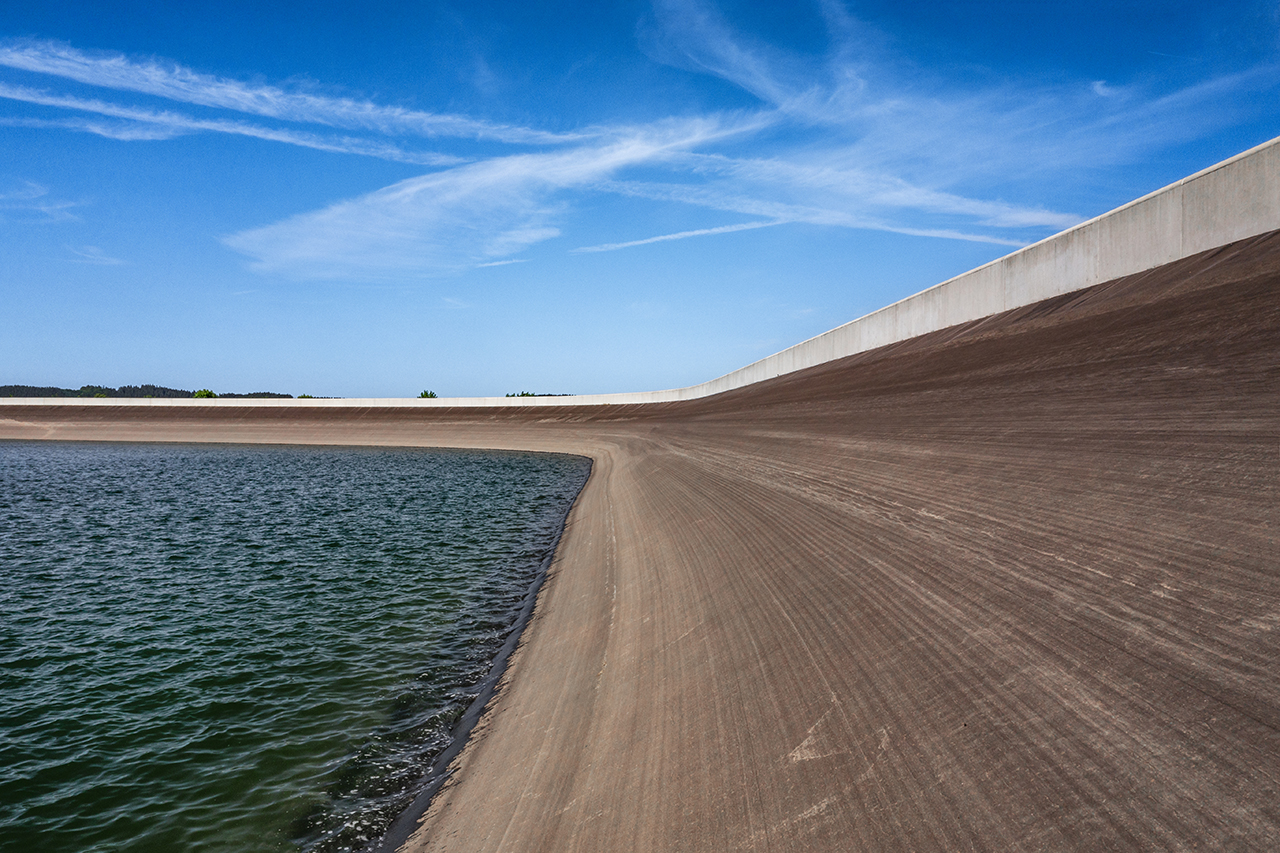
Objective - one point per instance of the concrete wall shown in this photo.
(1237, 198)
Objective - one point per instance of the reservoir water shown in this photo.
(235, 648)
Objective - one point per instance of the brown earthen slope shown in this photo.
(1014, 585)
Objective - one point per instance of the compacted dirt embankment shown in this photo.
(1013, 585)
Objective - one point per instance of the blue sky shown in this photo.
(357, 200)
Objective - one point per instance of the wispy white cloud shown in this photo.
(888, 115)
(140, 123)
(93, 255)
(124, 131)
(30, 202)
(871, 147)
(681, 235)
(503, 263)
(177, 83)
(855, 216)
(454, 219)
(831, 180)
(25, 193)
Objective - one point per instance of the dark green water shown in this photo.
(229, 648)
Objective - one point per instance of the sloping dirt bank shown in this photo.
(1014, 585)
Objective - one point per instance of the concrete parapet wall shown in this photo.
(1232, 200)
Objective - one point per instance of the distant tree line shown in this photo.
(260, 395)
(531, 394)
(122, 391)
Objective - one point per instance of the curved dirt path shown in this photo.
(1010, 586)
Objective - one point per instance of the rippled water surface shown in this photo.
(248, 648)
